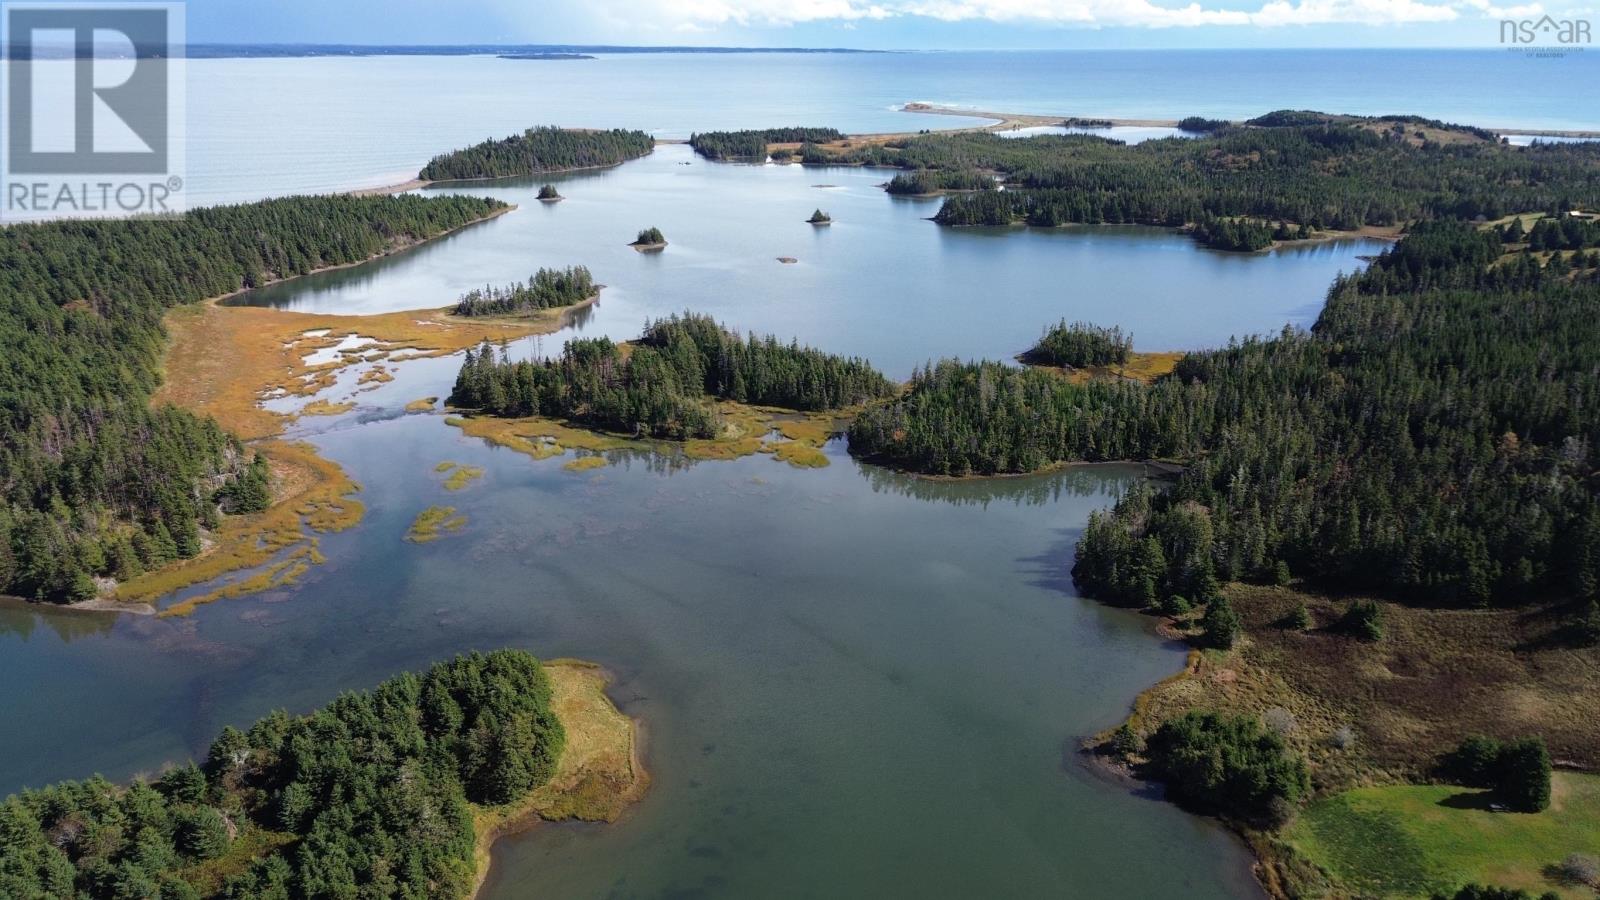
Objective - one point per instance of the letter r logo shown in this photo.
(87, 89)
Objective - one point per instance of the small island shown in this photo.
(549, 194)
(546, 289)
(539, 150)
(650, 240)
(820, 218)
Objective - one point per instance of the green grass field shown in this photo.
(1412, 840)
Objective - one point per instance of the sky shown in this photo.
(877, 24)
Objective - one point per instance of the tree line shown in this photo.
(94, 481)
(367, 797)
(538, 150)
(1432, 436)
(1202, 125)
(659, 385)
(545, 289)
(932, 181)
(752, 144)
(1315, 171)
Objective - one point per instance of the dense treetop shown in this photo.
(367, 797)
(545, 289)
(1081, 344)
(1518, 772)
(660, 385)
(1202, 125)
(933, 181)
(537, 150)
(752, 145)
(1228, 766)
(93, 481)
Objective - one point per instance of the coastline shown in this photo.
(1005, 121)
(419, 182)
(221, 361)
(1009, 121)
(601, 774)
(214, 384)
(560, 313)
(388, 189)
(1325, 683)
(92, 607)
(395, 250)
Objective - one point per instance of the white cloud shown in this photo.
(1523, 11)
(1361, 12)
(688, 15)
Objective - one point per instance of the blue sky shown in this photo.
(886, 24)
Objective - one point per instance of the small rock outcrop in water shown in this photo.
(820, 218)
(549, 194)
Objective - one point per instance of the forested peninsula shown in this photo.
(1282, 176)
(537, 151)
(392, 792)
(95, 481)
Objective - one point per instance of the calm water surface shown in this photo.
(880, 282)
(852, 682)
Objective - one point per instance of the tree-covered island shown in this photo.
(545, 289)
(537, 151)
(649, 239)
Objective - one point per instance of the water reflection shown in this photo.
(21, 619)
(1085, 480)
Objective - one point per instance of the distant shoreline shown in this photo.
(290, 51)
(419, 183)
(997, 121)
(1008, 121)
